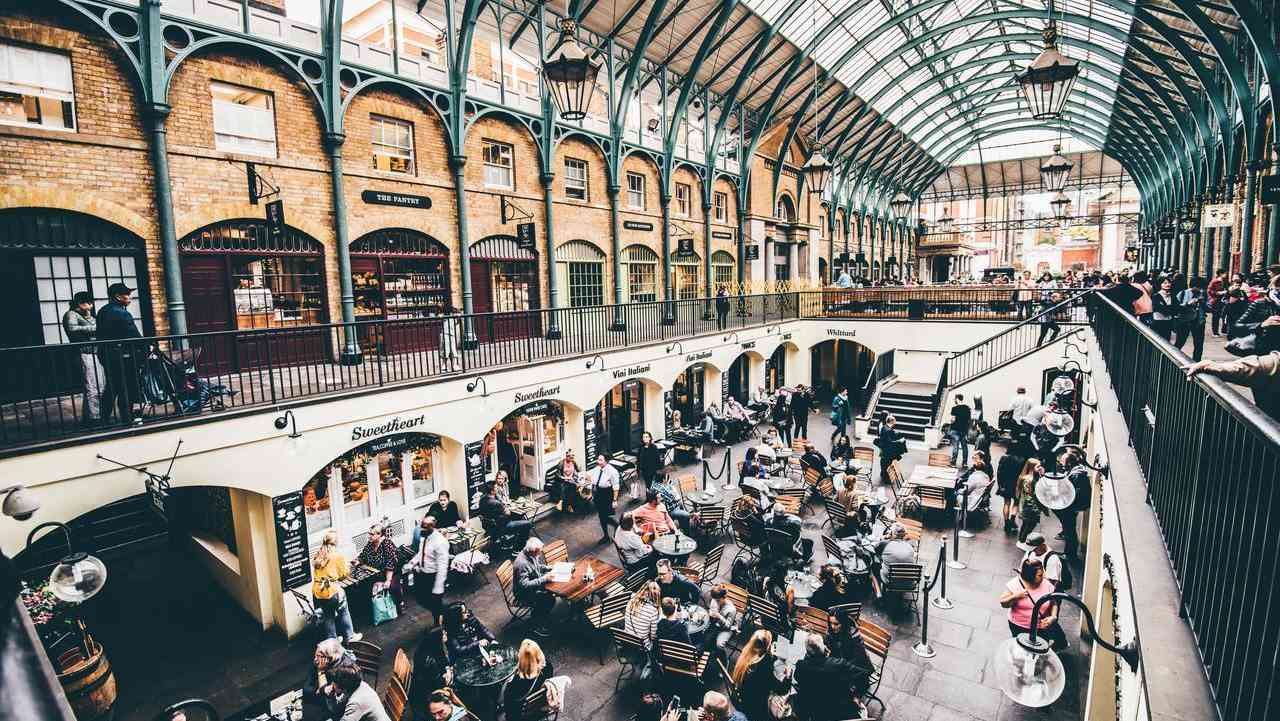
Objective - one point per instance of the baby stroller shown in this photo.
(170, 379)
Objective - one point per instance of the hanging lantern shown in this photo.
(1049, 78)
(571, 76)
(817, 172)
(900, 205)
(1054, 172)
(1061, 205)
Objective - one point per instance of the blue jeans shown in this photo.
(959, 445)
(681, 517)
(335, 617)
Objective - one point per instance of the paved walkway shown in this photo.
(199, 644)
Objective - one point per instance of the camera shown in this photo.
(19, 503)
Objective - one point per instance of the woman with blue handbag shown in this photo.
(330, 567)
(381, 554)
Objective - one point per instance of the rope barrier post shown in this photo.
(942, 602)
(955, 561)
(962, 517)
(728, 469)
(924, 649)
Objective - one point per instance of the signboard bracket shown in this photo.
(157, 485)
(511, 211)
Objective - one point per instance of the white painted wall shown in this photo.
(918, 366)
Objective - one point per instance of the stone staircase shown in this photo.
(910, 403)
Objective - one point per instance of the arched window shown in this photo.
(580, 265)
(722, 269)
(641, 272)
(784, 209)
(688, 277)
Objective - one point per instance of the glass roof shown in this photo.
(916, 87)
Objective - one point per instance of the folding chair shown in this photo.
(554, 552)
(940, 458)
(506, 579)
(608, 613)
(837, 516)
(679, 659)
(876, 639)
(536, 706)
(631, 655)
(395, 698)
(402, 669)
(813, 620)
(368, 658)
(707, 570)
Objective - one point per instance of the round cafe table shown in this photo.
(803, 585)
(675, 546)
(703, 498)
(471, 673)
(697, 620)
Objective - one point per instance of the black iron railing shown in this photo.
(881, 369)
(1211, 460)
(1013, 343)
(944, 302)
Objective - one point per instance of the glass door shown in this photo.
(530, 448)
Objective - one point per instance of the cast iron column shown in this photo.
(1227, 193)
(175, 309)
(615, 244)
(553, 293)
(668, 302)
(351, 347)
(1246, 218)
(458, 164)
(706, 256)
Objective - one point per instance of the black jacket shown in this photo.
(823, 689)
(800, 405)
(755, 687)
(517, 689)
(446, 517)
(648, 461)
(1258, 311)
(673, 630)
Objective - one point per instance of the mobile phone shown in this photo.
(674, 704)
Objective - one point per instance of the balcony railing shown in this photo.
(151, 380)
(1211, 461)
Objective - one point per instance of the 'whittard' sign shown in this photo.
(394, 425)
(837, 333)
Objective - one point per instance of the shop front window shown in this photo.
(315, 498)
(277, 291)
(687, 277)
(59, 277)
(512, 286)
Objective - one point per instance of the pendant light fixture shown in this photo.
(1055, 170)
(1048, 80)
(900, 205)
(570, 75)
(817, 169)
(1061, 205)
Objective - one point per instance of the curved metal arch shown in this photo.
(1210, 85)
(427, 98)
(598, 144)
(532, 126)
(1260, 35)
(697, 170)
(313, 86)
(648, 156)
(135, 58)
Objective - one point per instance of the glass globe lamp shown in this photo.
(78, 577)
(1029, 672)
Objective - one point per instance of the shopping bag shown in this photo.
(384, 608)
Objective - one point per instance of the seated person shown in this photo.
(643, 612)
(709, 425)
(848, 495)
(632, 549)
(845, 643)
(841, 450)
(746, 509)
(822, 684)
(531, 577)
(444, 705)
(564, 492)
(832, 591)
(503, 483)
(533, 671)
(316, 690)
(445, 511)
(754, 675)
(465, 635)
(724, 615)
(673, 585)
(813, 459)
(359, 701)
(893, 549)
(750, 465)
(671, 627)
(734, 411)
(760, 400)
(495, 514)
(653, 516)
(431, 666)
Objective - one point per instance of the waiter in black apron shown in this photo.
(604, 487)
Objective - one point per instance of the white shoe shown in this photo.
(355, 637)
(1023, 546)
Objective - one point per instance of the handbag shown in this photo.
(384, 607)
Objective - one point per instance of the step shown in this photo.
(896, 409)
(906, 398)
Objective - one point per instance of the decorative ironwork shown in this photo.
(56, 229)
(399, 241)
(248, 235)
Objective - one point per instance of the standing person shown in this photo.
(119, 354)
(381, 553)
(839, 416)
(1141, 294)
(1191, 314)
(801, 404)
(432, 563)
(961, 416)
(648, 459)
(1025, 295)
(1018, 409)
(722, 308)
(1260, 372)
(1020, 596)
(891, 444)
(451, 341)
(1164, 310)
(1029, 510)
(1216, 292)
(329, 568)
(1234, 304)
(780, 416)
(1049, 328)
(604, 486)
(1007, 473)
(80, 326)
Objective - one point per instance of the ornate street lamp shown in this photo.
(900, 205)
(817, 172)
(1054, 171)
(571, 76)
(1061, 205)
(1030, 672)
(1048, 80)
(78, 576)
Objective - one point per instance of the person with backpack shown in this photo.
(839, 416)
(1055, 569)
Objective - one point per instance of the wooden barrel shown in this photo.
(90, 685)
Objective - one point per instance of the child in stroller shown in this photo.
(170, 379)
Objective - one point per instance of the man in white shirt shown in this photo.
(605, 483)
(1051, 560)
(432, 566)
(632, 549)
(1019, 407)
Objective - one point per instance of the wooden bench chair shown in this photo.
(813, 620)
(710, 521)
(903, 579)
(837, 516)
(395, 698)
(764, 613)
(554, 552)
(705, 571)
(940, 458)
(876, 639)
(835, 556)
(506, 579)
(852, 609)
(608, 613)
(679, 660)
(630, 653)
(402, 669)
(537, 708)
(789, 503)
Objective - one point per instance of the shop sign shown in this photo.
(291, 540)
(590, 419)
(838, 333)
(1269, 190)
(1169, 233)
(394, 425)
(786, 336)
(636, 225)
(275, 220)
(668, 420)
(538, 408)
(693, 357)
(1217, 215)
(526, 236)
(158, 493)
(632, 371)
(400, 200)
(753, 252)
(539, 394)
(721, 235)
(724, 390)
(474, 458)
(748, 345)
(684, 247)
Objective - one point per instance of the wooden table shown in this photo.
(934, 476)
(577, 589)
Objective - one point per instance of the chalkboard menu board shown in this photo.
(666, 404)
(724, 389)
(291, 540)
(474, 453)
(590, 426)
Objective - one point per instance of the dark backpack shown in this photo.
(1068, 580)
